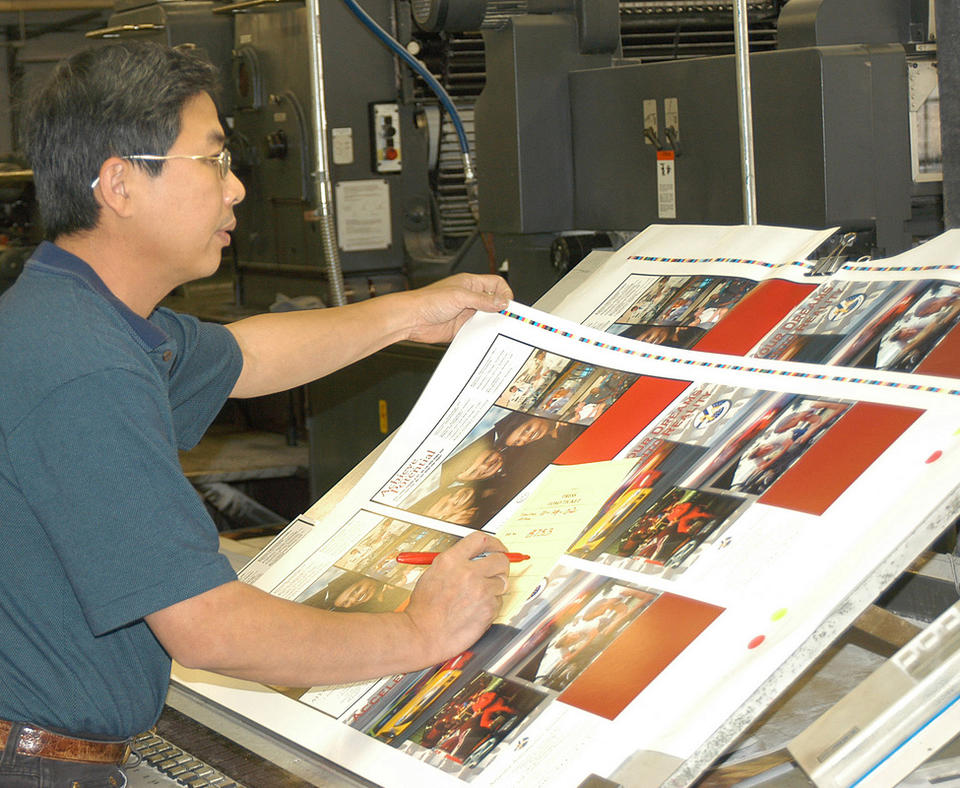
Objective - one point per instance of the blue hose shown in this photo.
(418, 67)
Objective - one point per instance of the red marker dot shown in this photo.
(934, 457)
(756, 641)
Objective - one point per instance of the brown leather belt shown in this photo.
(44, 744)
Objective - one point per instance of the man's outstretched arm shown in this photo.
(287, 349)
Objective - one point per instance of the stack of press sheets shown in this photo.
(715, 457)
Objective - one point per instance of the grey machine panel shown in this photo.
(175, 22)
(278, 247)
(561, 145)
(830, 132)
(523, 119)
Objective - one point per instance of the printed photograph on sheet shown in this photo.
(824, 320)
(393, 723)
(376, 554)
(704, 417)
(905, 333)
(753, 460)
(367, 577)
(583, 636)
(570, 391)
(582, 392)
(362, 563)
(540, 410)
(462, 419)
(582, 632)
(677, 311)
(536, 376)
(560, 388)
(567, 621)
(662, 466)
(481, 476)
(343, 590)
(467, 729)
(665, 536)
(634, 298)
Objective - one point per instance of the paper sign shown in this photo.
(666, 185)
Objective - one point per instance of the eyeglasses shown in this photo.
(222, 159)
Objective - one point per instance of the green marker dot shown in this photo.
(779, 614)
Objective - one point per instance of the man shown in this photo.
(109, 564)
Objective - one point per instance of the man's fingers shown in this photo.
(476, 543)
(495, 288)
(498, 292)
(471, 545)
(493, 563)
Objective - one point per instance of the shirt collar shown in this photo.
(53, 258)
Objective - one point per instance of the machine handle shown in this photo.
(248, 5)
(118, 30)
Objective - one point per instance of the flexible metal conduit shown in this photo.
(323, 189)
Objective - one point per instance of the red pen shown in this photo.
(427, 558)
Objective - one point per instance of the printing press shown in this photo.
(561, 129)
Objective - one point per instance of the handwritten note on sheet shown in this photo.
(551, 518)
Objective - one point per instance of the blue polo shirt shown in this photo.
(98, 526)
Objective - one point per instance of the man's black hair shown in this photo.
(116, 100)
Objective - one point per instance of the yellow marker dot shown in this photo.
(779, 614)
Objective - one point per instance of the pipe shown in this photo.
(54, 5)
(745, 111)
(116, 31)
(16, 175)
(323, 189)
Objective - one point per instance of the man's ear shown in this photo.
(111, 185)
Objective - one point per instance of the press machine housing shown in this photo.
(833, 106)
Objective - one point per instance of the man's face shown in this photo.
(484, 465)
(533, 429)
(456, 506)
(356, 593)
(186, 212)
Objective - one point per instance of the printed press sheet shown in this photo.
(704, 457)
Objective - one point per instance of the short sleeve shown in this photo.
(97, 462)
(203, 373)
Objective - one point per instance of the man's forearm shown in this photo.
(287, 349)
(240, 631)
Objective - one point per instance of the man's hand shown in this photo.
(440, 309)
(458, 596)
